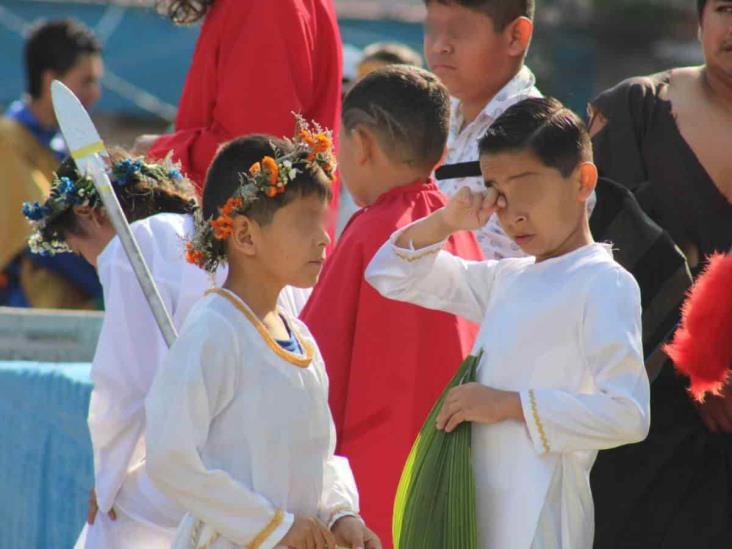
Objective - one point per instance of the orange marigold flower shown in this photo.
(196, 257)
(270, 165)
(231, 204)
(271, 192)
(222, 226)
(322, 143)
(306, 136)
(254, 169)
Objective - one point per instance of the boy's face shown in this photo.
(291, 248)
(464, 50)
(544, 211)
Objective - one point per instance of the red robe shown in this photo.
(255, 62)
(387, 361)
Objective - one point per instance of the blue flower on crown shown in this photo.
(35, 211)
(125, 170)
(175, 175)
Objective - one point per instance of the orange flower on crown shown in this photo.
(256, 167)
(223, 225)
(196, 257)
(270, 165)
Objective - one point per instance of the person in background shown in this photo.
(31, 148)
(382, 54)
(254, 64)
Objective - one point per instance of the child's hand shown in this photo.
(468, 210)
(91, 515)
(351, 532)
(478, 403)
(308, 533)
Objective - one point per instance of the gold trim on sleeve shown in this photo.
(301, 361)
(537, 420)
(414, 256)
(277, 519)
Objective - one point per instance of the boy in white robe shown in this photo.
(562, 373)
(239, 432)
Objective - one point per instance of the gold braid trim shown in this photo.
(279, 516)
(301, 361)
(537, 420)
(415, 256)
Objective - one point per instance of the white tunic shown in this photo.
(129, 353)
(239, 431)
(566, 334)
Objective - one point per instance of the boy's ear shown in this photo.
(95, 216)
(520, 31)
(364, 142)
(244, 234)
(587, 180)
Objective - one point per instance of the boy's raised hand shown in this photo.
(470, 210)
(308, 533)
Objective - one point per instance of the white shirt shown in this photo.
(564, 333)
(462, 146)
(239, 430)
(129, 353)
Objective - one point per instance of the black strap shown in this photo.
(458, 171)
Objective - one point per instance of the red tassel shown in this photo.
(702, 347)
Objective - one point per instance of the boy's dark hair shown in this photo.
(185, 12)
(151, 192)
(391, 53)
(700, 5)
(406, 108)
(235, 158)
(502, 12)
(555, 134)
(56, 46)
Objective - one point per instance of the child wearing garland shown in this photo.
(158, 202)
(239, 431)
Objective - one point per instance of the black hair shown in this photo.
(235, 158)
(406, 108)
(152, 191)
(555, 134)
(185, 12)
(57, 46)
(502, 12)
(391, 53)
(700, 5)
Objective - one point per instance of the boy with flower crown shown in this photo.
(239, 431)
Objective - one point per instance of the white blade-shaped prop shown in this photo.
(87, 149)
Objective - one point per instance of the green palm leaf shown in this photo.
(435, 501)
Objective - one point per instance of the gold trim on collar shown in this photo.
(293, 358)
(273, 524)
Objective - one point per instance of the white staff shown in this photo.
(87, 149)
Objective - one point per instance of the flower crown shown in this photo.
(312, 145)
(67, 193)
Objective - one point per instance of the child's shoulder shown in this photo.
(210, 318)
(606, 276)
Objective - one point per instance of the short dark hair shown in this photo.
(700, 5)
(234, 158)
(391, 53)
(56, 45)
(555, 134)
(406, 108)
(502, 12)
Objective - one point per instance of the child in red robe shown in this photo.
(384, 366)
(254, 64)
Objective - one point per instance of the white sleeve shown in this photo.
(198, 380)
(129, 352)
(433, 278)
(617, 412)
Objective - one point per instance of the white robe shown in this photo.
(129, 353)
(239, 431)
(564, 333)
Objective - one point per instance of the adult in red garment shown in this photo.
(255, 63)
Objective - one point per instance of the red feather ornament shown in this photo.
(702, 347)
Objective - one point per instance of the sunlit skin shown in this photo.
(544, 212)
(92, 234)
(473, 60)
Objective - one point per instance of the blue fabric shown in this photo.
(48, 137)
(46, 463)
(291, 345)
(74, 268)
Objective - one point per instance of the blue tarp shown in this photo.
(46, 464)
